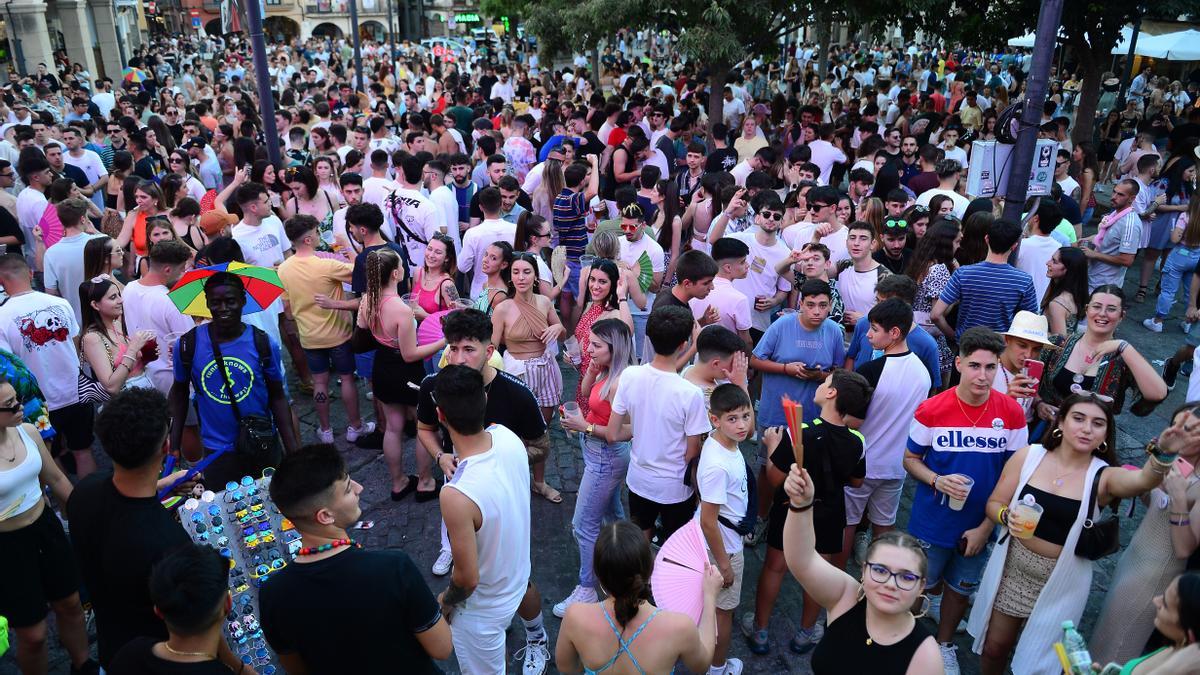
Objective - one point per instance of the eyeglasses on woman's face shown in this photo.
(905, 580)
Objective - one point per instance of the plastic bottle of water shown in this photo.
(1077, 650)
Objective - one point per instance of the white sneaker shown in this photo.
(1152, 325)
(325, 435)
(733, 666)
(352, 433)
(535, 656)
(580, 594)
(949, 658)
(441, 566)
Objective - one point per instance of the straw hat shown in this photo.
(1029, 326)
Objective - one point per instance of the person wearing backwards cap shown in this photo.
(208, 167)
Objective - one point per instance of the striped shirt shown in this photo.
(989, 294)
(570, 220)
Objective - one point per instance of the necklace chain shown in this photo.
(176, 652)
(974, 422)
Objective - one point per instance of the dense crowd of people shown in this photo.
(773, 319)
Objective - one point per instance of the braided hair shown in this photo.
(380, 264)
(623, 561)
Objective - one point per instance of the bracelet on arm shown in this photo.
(798, 509)
(1002, 516)
(933, 483)
(1181, 521)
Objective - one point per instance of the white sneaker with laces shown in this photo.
(580, 594)
(441, 566)
(534, 657)
(733, 666)
(1152, 326)
(352, 433)
(325, 435)
(949, 658)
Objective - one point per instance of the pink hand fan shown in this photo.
(677, 580)
(430, 329)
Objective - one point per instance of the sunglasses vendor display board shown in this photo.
(243, 524)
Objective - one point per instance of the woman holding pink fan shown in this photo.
(626, 633)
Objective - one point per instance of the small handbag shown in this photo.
(1100, 537)
(90, 389)
(257, 441)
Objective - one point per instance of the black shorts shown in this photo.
(392, 375)
(38, 567)
(828, 530)
(645, 513)
(73, 427)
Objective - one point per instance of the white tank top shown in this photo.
(498, 482)
(20, 487)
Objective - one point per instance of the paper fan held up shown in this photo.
(645, 271)
(678, 578)
(263, 287)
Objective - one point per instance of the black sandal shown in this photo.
(423, 496)
(409, 488)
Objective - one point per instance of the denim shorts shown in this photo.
(341, 356)
(961, 574)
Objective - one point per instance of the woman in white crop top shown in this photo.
(37, 564)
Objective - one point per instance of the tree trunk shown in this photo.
(1089, 95)
(717, 74)
(823, 35)
(595, 59)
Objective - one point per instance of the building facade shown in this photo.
(95, 33)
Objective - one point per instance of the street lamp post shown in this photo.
(358, 72)
(262, 77)
(1031, 114)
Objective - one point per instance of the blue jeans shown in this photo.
(639, 333)
(599, 499)
(1181, 264)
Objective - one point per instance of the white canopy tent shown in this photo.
(1121, 48)
(1181, 45)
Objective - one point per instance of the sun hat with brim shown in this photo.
(1030, 326)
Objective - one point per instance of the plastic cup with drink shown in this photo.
(569, 409)
(1023, 517)
(957, 504)
(574, 352)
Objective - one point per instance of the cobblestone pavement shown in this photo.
(415, 528)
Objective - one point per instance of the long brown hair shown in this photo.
(1108, 451)
(623, 563)
(380, 265)
(1191, 233)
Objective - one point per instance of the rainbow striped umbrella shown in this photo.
(262, 288)
(135, 75)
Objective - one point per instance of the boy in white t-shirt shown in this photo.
(666, 418)
(723, 483)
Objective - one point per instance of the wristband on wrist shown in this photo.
(1002, 516)
(933, 483)
(797, 509)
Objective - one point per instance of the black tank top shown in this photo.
(1058, 514)
(844, 648)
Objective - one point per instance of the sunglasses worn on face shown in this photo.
(892, 223)
(771, 215)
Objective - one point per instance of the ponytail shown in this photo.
(623, 562)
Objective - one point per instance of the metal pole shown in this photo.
(358, 72)
(392, 41)
(1126, 79)
(262, 76)
(1031, 114)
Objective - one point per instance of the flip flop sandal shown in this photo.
(363, 525)
(410, 488)
(428, 495)
(548, 493)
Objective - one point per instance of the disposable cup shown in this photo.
(1023, 519)
(957, 504)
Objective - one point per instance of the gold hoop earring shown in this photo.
(1103, 447)
(1056, 434)
(924, 607)
(862, 594)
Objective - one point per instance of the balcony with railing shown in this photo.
(342, 8)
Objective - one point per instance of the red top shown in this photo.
(599, 408)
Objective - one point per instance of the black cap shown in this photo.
(194, 143)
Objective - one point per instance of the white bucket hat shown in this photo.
(1029, 326)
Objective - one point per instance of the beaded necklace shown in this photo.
(337, 543)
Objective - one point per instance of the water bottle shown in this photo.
(1077, 650)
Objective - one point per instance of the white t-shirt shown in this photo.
(92, 167)
(474, 244)
(63, 268)
(664, 409)
(31, 205)
(836, 242)
(420, 216)
(957, 153)
(1035, 251)
(1070, 186)
(631, 251)
(960, 202)
(443, 198)
(761, 279)
(797, 235)
(858, 288)
(721, 479)
(149, 308)
(376, 191)
(263, 244)
(901, 383)
(39, 329)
